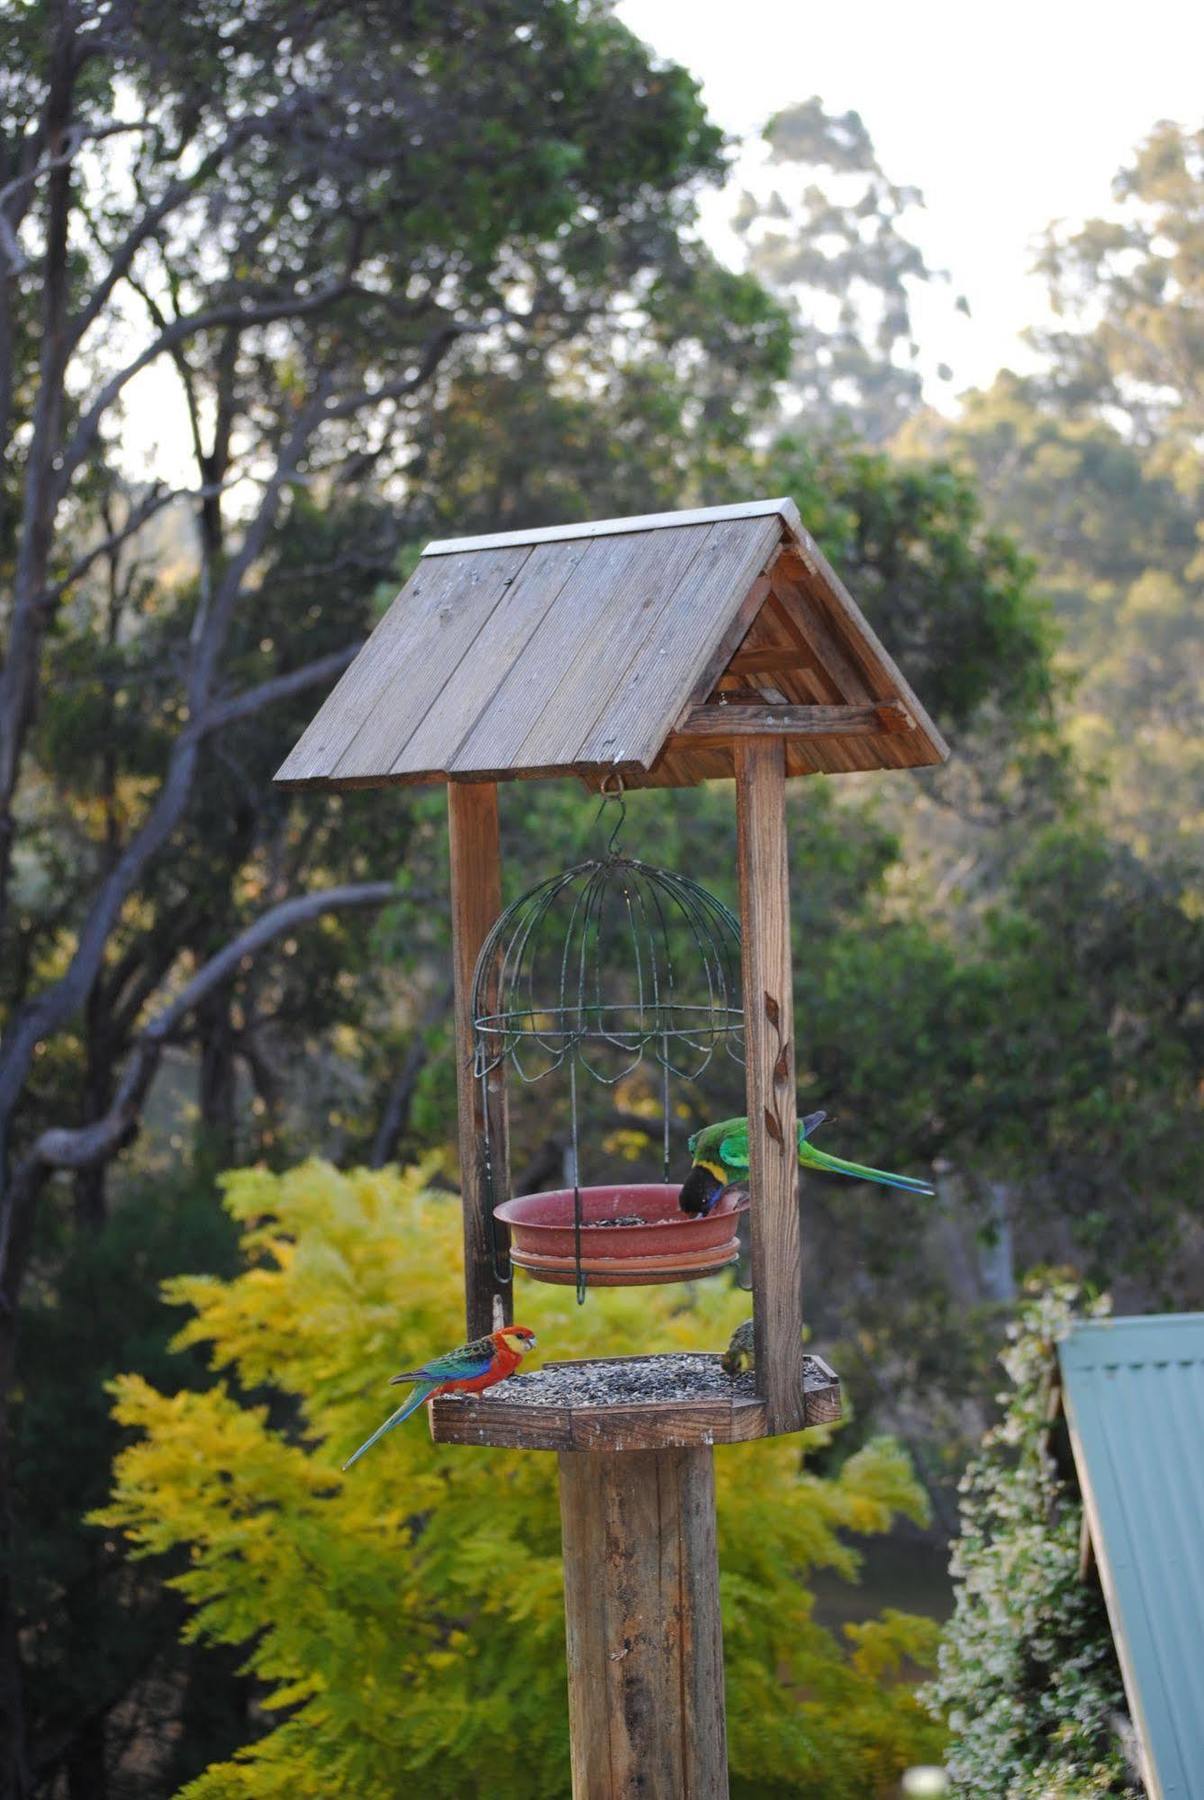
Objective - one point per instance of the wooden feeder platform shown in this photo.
(676, 1401)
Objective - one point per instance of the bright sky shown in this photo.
(1005, 115)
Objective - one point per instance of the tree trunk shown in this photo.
(87, 1774)
(217, 1082)
(16, 1780)
(19, 678)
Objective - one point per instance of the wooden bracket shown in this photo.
(873, 719)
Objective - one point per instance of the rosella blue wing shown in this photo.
(458, 1365)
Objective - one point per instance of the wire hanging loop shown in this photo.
(612, 796)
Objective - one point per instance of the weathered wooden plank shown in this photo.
(441, 624)
(765, 659)
(594, 528)
(644, 1636)
(825, 689)
(476, 900)
(769, 1050)
(804, 618)
(652, 1425)
(821, 1391)
(772, 720)
(688, 641)
(463, 1419)
(317, 751)
(494, 652)
(616, 603)
(884, 673)
(607, 575)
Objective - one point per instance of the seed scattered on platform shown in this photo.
(681, 1375)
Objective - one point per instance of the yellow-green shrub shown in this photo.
(407, 1616)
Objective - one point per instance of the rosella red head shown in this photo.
(518, 1338)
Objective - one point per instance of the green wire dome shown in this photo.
(604, 964)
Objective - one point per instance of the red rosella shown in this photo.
(464, 1371)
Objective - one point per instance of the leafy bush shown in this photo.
(406, 1619)
(1029, 1680)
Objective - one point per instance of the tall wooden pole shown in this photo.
(769, 1031)
(645, 1644)
(476, 900)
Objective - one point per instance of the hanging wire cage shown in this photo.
(605, 966)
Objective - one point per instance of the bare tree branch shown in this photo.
(122, 257)
(153, 504)
(396, 1115)
(72, 142)
(280, 687)
(100, 1140)
(51, 1009)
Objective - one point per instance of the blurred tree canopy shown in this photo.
(827, 230)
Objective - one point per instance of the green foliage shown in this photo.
(1094, 464)
(408, 1616)
(956, 598)
(1130, 290)
(1029, 1681)
(1113, 530)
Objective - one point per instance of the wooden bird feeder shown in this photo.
(665, 650)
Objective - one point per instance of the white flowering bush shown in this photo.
(1029, 1683)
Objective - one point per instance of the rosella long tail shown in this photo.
(422, 1392)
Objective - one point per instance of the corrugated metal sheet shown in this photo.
(1134, 1399)
(580, 648)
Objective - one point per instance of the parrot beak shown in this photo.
(699, 1191)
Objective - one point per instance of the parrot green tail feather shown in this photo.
(422, 1392)
(811, 1158)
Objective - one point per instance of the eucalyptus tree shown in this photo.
(829, 231)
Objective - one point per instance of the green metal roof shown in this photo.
(1133, 1391)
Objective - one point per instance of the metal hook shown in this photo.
(614, 795)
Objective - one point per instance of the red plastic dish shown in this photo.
(668, 1245)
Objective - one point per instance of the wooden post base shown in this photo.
(645, 1644)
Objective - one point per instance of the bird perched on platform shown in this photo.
(468, 1370)
(720, 1155)
(740, 1357)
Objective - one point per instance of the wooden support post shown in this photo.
(769, 1029)
(645, 1643)
(476, 901)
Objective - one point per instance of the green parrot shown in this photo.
(720, 1155)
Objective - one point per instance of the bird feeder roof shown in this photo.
(645, 645)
